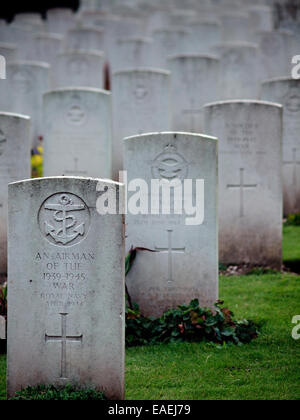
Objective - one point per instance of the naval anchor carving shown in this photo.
(64, 219)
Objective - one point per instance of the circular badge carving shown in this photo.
(64, 219)
(292, 102)
(75, 115)
(170, 165)
(140, 92)
(3, 141)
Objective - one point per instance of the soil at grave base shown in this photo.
(3, 346)
(291, 267)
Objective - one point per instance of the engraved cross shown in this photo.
(63, 339)
(242, 186)
(170, 251)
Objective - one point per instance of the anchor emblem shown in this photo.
(66, 229)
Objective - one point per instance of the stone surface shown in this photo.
(24, 87)
(2, 328)
(202, 36)
(79, 68)
(78, 133)
(250, 180)
(14, 165)
(275, 51)
(59, 20)
(168, 42)
(240, 71)
(194, 82)
(133, 52)
(85, 38)
(9, 51)
(185, 264)
(236, 27)
(286, 91)
(141, 104)
(66, 267)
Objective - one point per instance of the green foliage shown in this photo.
(293, 220)
(58, 393)
(260, 271)
(3, 301)
(188, 324)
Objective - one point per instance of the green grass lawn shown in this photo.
(268, 368)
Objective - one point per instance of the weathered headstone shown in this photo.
(194, 81)
(85, 38)
(79, 68)
(184, 264)
(60, 20)
(26, 83)
(202, 36)
(236, 27)
(78, 133)
(141, 104)
(66, 267)
(167, 42)
(240, 71)
(250, 181)
(9, 51)
(275, 51)
(261, 17)
(287, 92)
(14, 165)
(134, 52)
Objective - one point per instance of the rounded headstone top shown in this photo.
(14, 115)
(243, 102)
(208, 57)
(171, 134)
(281, 80)
(66, 179)
(94, 53)
(27, 63)
(143, 70)
(79, 89)
(236, 44)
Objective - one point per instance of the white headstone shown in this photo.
(240, 71)
(184, 265)
(167, 42)
(78, 133)
(8, 51)
(275, 50)
(202, 36)
(236, 27)
(26, 83)
(14, 165)
(261, 17)
(28, 18)
(85, 38)
(70, 278)
(287, 92)
(22, 37)
(250, 180)
(134, 52)
(194, 81)
(79, 68)
(60, 20)
(141, 104)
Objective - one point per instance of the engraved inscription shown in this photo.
(63, 339)
(170, 250)
(75, 115)
(242, 186)
(170, 165)
(241, 136)
(64, 219)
